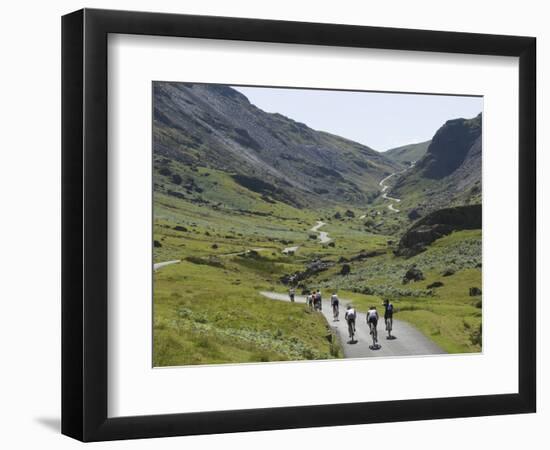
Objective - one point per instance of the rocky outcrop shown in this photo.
(413, 274)
(450, 147)
(366, 254)
(311, 269)
(436, 225)
(475, 291)
(346, 269)
(450, 171)
(414, 214)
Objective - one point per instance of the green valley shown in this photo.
(235, 186)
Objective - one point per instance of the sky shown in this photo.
(379, 120)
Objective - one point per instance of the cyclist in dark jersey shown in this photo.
(335, 303)
(388, 316)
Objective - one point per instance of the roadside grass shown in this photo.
(207, 315)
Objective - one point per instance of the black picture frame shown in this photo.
(84, 224)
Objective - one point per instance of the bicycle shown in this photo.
(389, 326)
(336, 313)
(374, 334)
(351, 329)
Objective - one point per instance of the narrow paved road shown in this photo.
(291, 249)
(323, 235)
(408, 340)
(385, 187)
(157, 266)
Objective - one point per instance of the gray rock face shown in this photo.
(450, 171)
(449, 147)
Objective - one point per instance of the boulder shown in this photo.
(414, 214)
(475, 291)
(413, 274)
(363, 254)
(448, 272)
(435, 284)
(346, 269)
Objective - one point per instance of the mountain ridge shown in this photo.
(216, 126)
(449, 174)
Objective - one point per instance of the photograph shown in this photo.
(294, 224)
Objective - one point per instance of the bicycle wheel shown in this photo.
(373, 333)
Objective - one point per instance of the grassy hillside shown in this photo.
(216, 127)
(406, 154)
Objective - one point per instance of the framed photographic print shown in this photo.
(273, 224)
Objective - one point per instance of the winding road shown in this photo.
(408, 340)
(385, 187)
(323, 235)
(323, 238)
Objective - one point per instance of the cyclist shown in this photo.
(291, 294)
(350, 316)
(318, 302)
(372, 322)
(388, 316)
(335, 303)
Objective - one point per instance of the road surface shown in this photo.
(291, 249)
(385, 187)
(323, 235)
(323, 238)
(157, 266)
(408, 340)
